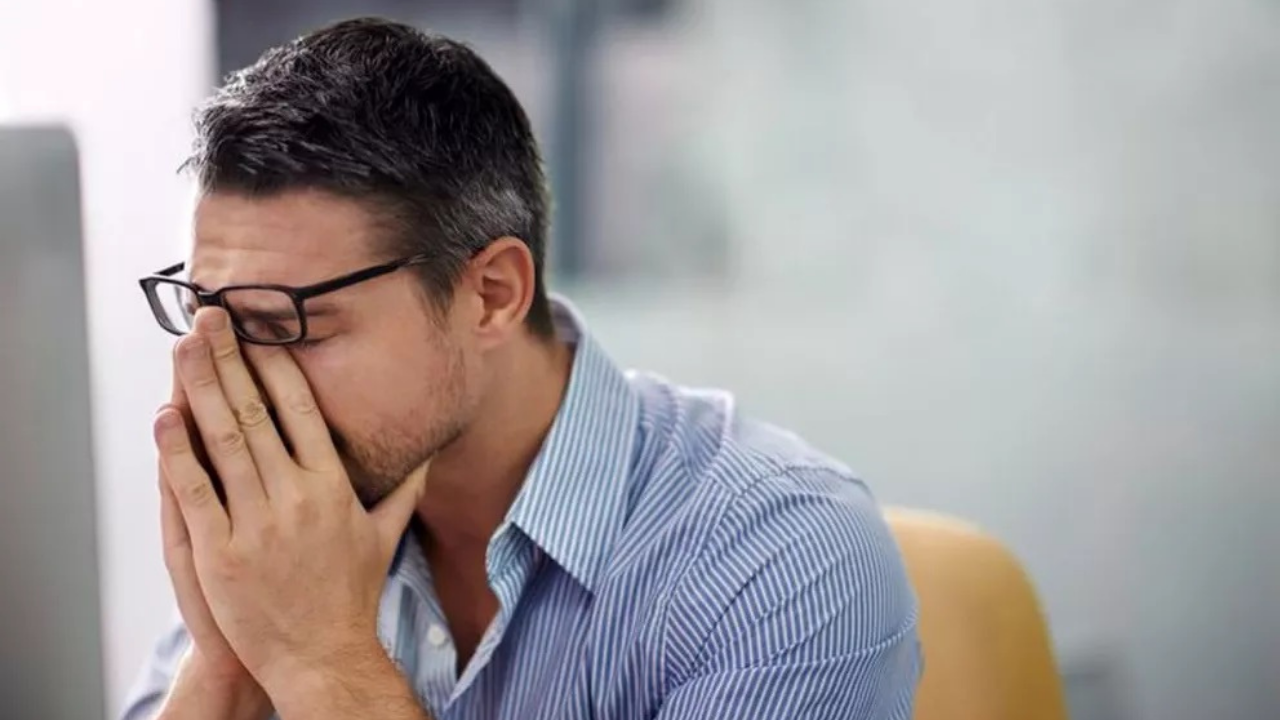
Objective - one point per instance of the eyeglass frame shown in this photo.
(299, 295)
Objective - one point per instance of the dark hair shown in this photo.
(415, 124)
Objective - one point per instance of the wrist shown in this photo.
(338, 685)
(202, 691)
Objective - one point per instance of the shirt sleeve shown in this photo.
(800, 607)
(152, 684)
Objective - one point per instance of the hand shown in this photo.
(211, 679)
(292, 568)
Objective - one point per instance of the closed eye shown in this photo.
(308, 344)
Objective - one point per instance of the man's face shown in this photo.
(389, 371)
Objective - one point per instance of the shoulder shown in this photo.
(698, 439)
(772, 530)
(713, 440)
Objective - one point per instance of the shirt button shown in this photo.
(437, 636)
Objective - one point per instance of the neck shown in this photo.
(473, 481)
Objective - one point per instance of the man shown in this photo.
(399, 481)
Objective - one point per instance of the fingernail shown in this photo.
(168, 418)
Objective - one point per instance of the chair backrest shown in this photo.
(987, 653)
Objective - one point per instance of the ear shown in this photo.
(503, 277)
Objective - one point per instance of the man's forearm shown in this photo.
(368, 685)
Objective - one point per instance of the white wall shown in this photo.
(125, 75)
(1018, 261)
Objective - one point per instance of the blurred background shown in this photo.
(1017, 260)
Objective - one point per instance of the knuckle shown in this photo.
(303, 403)
(229, 565)
(252, 414)
(225, 352)
(198, 494)
(204, 381)
(230, 441)
(303, 509)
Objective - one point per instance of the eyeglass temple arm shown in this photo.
(359, 276)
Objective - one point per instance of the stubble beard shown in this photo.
(377, 467)
(379, 462)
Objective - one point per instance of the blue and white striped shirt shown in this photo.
(666, 558)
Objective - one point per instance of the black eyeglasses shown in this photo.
(261, 314)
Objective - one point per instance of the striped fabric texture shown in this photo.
(666, 558)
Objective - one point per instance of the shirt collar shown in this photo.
(572, 502)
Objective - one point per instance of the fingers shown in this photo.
(177, 397)
(202, 513)
(224, 440)
(296, 406)
(172, 528)
(178, 556)
(392, 515)
(244, 400)
(179, 559)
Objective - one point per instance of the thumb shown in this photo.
(392, 515)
